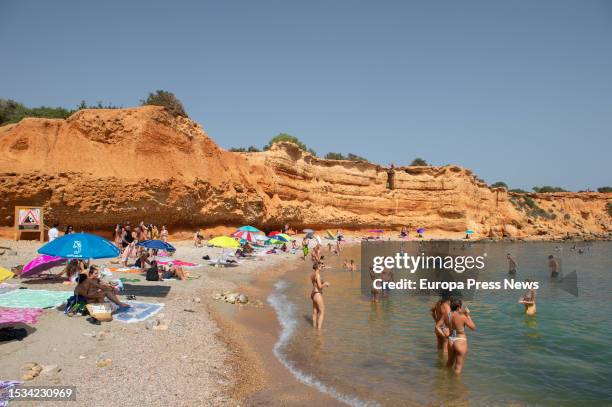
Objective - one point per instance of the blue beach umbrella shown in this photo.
(249, 228)
(80, 246)
(157, 245)
(469, 232)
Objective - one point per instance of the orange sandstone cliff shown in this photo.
(101, 167)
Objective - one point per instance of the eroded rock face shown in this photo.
(101, 167)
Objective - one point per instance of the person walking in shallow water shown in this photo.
(456, 320)
(512, 265)
(529, 301)
(439, 310)
(553, 266)
(318, 306)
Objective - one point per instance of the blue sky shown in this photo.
(518, 91)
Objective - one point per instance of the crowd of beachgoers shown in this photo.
(144, 251)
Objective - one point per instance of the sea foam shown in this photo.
(286, 314)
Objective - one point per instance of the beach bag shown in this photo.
(100, 311)
(75, 304)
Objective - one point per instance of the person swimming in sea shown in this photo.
(456, 320)
(439, 310)
(512, 265)
(529, 300)
(553, 266)
(318, 306)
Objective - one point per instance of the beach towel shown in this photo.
(5, 287)
(33, 298)
(137, 312)
(5, 274)
(5, 385)
(156, 291)
(123, 269)
(179, 263)
(19, 315)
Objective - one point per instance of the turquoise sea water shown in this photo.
(384, 354)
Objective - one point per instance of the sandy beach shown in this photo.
(210, 353)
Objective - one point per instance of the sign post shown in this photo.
(29, 219)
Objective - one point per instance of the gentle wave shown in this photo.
(285, 312)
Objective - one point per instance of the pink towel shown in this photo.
(17, 315)
(178, 263)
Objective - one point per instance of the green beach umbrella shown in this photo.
(284, 235)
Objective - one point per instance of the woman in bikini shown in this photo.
(438, 312)
(318, 306)
(457, 319)
(529, 301)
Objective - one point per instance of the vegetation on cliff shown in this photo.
(419, 162)
(168, 100)
(348, 157)
(289, 138)
(499, 184)
(548, 188)
(531, 208)
(12, 112)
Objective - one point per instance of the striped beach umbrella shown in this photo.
(244, 235)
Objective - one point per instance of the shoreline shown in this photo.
(253, 333)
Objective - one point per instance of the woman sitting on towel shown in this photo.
(172, 271)
(94, 291)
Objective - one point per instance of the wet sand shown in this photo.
(257, 331)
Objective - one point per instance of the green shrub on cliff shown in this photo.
(419, 162)
(166, 99)
(348, 157)
(292, 139)
(12, 112)
(548, 188)
(609, 208)
(334, 156)
(604, 189)
(499, 184)
(355, 157)
(98, 105)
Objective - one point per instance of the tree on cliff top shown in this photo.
(604, 189)
(292, 139)
(166, 99)
(419, 162)
(12, 112)
(499, 184)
